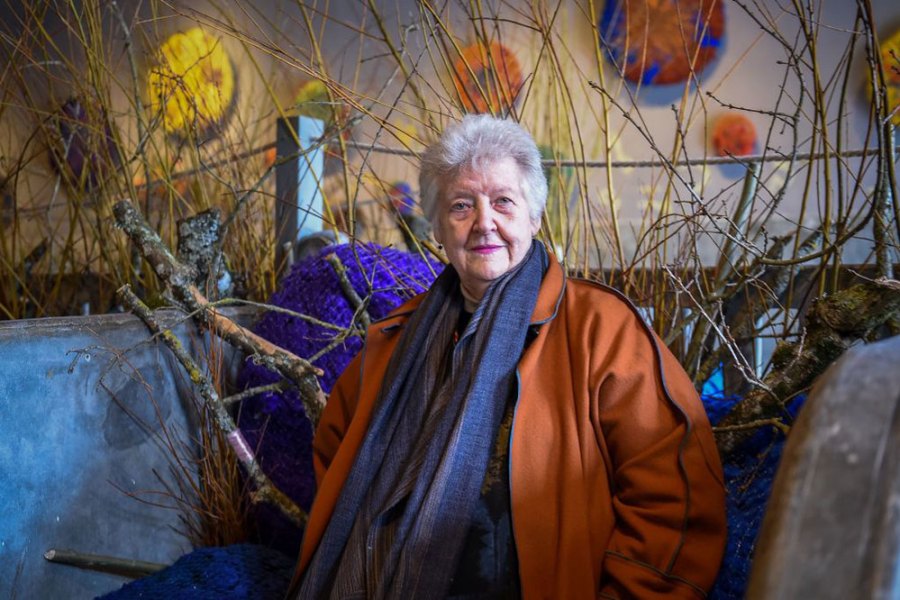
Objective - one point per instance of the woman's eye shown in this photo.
(458, 206)
(503, 201)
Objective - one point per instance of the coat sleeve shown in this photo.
(668, 492)
(336, 417)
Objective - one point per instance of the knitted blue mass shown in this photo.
(275, 423)
(749, 472)
(237, 572)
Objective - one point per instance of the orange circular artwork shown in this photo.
(487, 79)
(733, 135)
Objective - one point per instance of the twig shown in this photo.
(265, 490)
(435, 251)
(126, 567)
(352, 297)
(774, 422)
(278, 309)
(254, 391)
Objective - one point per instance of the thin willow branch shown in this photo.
(254, 391)
(126, 567)
(777, 423)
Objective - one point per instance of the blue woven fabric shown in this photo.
(238, 572)
(749, 472)
(275, 423)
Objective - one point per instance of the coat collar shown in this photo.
(550, 294)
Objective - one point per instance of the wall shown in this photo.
(272, 52)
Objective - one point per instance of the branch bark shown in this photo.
(834, 324)
(180, 279)
(265, 489)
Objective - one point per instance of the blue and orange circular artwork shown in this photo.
(658, 42)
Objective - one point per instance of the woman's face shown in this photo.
(484, 224)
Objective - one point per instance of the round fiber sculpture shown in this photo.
(487, 79)
(658, 42)
(733, 134)
(193, 84)
(275, 423)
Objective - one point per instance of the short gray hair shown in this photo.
(478, 139)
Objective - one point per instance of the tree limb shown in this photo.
(265, 489)
(180, 279)
(834, 324)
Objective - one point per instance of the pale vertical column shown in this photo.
(298, 208)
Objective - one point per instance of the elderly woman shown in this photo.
(512, 432)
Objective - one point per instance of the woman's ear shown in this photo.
(437, 231)
(535, 226)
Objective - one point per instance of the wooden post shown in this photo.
(300, 160)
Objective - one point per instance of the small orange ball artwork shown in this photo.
(487, 79)
(733, 134)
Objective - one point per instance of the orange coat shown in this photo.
(615, 481)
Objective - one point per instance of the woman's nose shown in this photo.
(484, 219)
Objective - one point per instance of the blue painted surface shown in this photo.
(83, 405)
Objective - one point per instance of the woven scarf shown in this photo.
(400, 522)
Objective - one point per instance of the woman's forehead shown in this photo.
(493, 176)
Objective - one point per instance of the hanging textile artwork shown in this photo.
(487, 79)
(193, 86)
(661, 41)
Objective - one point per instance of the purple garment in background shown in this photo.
(275, 423)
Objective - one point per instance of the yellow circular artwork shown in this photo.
(890, 61)
(192, 85)
(311, 100)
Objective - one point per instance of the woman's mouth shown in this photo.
(485, 249)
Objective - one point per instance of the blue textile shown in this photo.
(749, 472)
(238, 572)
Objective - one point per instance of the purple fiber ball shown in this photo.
(275, 423)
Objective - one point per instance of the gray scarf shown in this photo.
(400, 522)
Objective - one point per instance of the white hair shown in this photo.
(477, 140)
